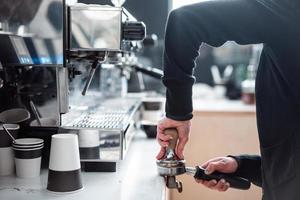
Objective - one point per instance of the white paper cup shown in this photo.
(28, 162)
(28, 141)
(64, 166)
(88, 138)
(7, 164)
(64, 153)
(89, 143)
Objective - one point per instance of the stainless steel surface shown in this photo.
(170, 154)
(112, 119)
(171, 171)
(98, 120)
(95, 27)
(190, 171)
(172, 183)
(63, 90)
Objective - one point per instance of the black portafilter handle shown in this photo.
(234, 181)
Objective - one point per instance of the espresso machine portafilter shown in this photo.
(170, 167)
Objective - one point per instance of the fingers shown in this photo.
(204, 165)
(162, 138)
(180, 147)
(215, 166)
(161, 153)
(183, 128)
(221, 186)
(210, 184)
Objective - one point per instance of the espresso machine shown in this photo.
(98, 39)
(56, 61)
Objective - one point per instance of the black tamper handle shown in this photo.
(234, 181)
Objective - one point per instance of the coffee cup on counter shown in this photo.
(64, 166)
(28, 157)
(7, 164)
(15, 116)
(89, 143)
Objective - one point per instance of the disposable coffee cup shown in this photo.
(28, 147)
(89, 144)
(28, 142)
(64, 166)
(28, 162)
(7, 164)
(15, 116)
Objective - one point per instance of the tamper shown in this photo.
(170, 166)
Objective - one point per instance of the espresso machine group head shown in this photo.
(170, 166)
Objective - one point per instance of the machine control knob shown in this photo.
(134, 31)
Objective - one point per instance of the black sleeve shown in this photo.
(213, 23)
(249, 167)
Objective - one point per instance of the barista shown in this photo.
(275, 23)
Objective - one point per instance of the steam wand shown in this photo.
(90, 77)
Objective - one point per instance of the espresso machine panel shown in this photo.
(13, 50)
(31, 53)
(38, 50)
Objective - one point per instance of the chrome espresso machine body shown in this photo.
(57, 64)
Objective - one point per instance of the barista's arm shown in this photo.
(249, 167)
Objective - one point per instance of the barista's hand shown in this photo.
(183, 128)
(220, 164)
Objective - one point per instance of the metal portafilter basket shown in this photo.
(170, 167)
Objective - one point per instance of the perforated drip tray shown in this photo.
(109, 115)
(109, 120)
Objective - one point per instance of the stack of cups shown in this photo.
(7, 164)
(28, 156)
(64, 166)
